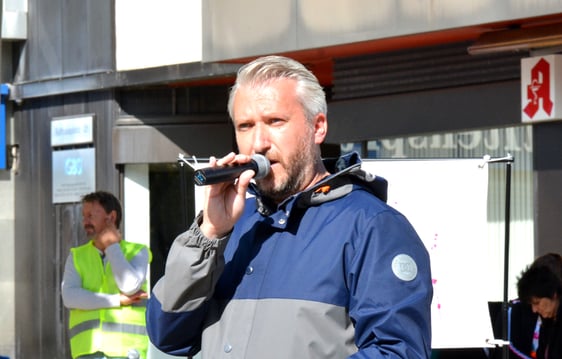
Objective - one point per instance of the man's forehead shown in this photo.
(93, 206)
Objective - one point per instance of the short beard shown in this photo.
(297, 172)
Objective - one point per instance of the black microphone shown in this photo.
(211, 175)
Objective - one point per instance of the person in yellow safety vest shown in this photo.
(104, 286)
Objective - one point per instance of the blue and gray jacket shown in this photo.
(332, 272)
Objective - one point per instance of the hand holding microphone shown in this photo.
(212, 175)
(223, 204)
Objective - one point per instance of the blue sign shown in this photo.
(4, 92)
(74, 174)
(73, 166)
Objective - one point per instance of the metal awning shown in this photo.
(164, 75)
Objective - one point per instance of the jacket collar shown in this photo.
(346, 174)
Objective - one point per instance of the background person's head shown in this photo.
(541, 287)
(100, 209)
(551, 260)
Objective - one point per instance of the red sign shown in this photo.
(540, 92)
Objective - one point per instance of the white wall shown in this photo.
(7, 274)
(157, 33)
(242, 28)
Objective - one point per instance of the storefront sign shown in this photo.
(515, 140)
(72, 130)
(74, 174)
(541, 88)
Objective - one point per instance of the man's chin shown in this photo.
(275, 193)
(267, 187)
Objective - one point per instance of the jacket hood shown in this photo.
(346, 174)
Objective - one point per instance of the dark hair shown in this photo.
(539, 282)
(551, 260)
(108, 201)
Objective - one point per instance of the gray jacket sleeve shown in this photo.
(193, 267)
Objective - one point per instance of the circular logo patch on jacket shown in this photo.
(404, 267)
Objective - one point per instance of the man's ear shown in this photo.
(320, 128)
(112, 216)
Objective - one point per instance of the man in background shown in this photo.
(104, 286)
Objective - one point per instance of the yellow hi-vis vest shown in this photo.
(113, 331)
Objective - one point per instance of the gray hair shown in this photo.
(270, 68)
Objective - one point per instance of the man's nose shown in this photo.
(261, 139)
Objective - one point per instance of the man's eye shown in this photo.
(243, 127)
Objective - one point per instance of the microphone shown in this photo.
(211, 175)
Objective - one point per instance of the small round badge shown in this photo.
(404, 267)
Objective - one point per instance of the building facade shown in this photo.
(425, 79)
